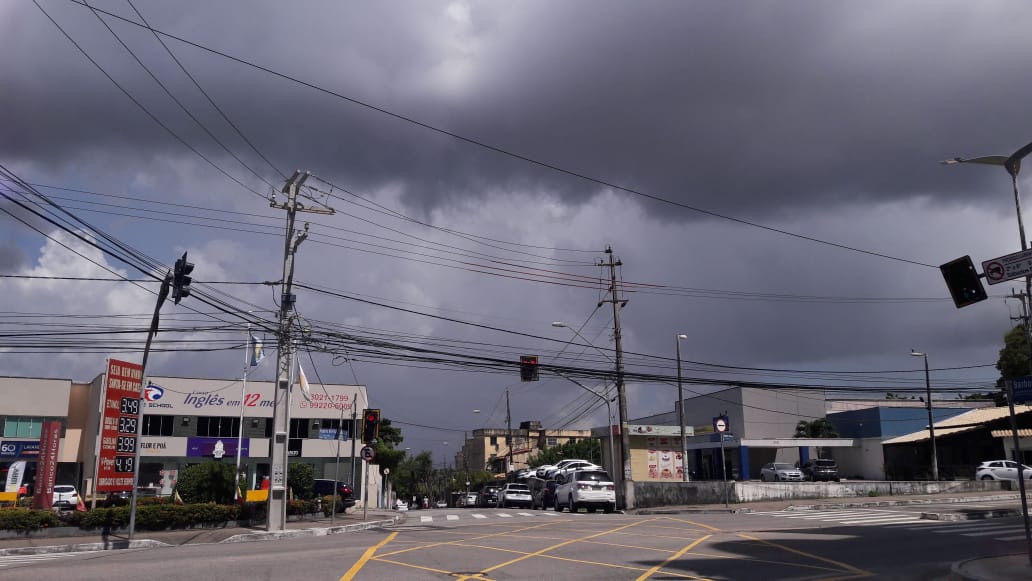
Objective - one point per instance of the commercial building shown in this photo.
(186, 421)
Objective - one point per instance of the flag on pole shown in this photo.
(178, 499)
(240, 496)
(306, 390)
(257, 350)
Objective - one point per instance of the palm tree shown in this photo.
(819, 428)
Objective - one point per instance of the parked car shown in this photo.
(542, 493)
(542, 471)
(820, 469)
(400, 505)
(514, 494)
(324, 487)
(571, 464)
(488, 497)
(66, 497)
(470, 500)
(1001, 470)
(590, 489)
(441, 504)
(778, 471)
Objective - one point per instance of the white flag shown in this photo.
(257, 350)
(14, 476)
(305, 389)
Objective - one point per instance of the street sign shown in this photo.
(1005, 268)
(1021, 389)
(720, 424)
(368, 453)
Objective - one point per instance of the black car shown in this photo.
(324, 487)
(820, 469)
(547, 494)
(488, 497)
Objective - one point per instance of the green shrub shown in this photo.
(207, 482)
(20, 519)
(300, 479)
(302, 507)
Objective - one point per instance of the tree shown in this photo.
(818, 428)
(207, 482)
(588, 449)
(300, 479)
(1013, 361)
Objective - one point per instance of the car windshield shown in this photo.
(783, 467)
(64, 489)
(519, 488)
(825, 463)
(593, 475)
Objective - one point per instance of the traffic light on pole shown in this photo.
(370, 425)
(528, 367)
(963, 281)
(181, 279)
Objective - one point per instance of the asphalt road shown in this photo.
(890, 543)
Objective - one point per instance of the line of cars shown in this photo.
(568, 485)
(814, 470)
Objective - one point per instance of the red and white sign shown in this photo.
(119, 423)
(46, 469)
(721, 425)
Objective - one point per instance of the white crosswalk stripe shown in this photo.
(858, 517)
(1001, 530)
(478, 515)
(14, 560)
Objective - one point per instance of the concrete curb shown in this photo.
(313, 532)
(81, 547)
(901, 502)
(952, 516)
(661, 511)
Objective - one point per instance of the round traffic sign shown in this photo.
(995, 271)
(368, 453)
(721, 425)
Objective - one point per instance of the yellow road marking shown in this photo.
(580, 561)
(858, 573)
(457, 541)
(691, 522)
(562, 544)
(365, 558)
(676, 555)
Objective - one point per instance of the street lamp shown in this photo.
(931, 422)
(609, 409)
(680, 411)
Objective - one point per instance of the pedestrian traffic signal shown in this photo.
(370, 425)
(528, 367)
(181, 279)
(963, 281)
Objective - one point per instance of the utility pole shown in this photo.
(277, 507)
(508, 438)
(627, 485)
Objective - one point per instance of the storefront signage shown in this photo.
(660, 430)
(174, 396)
(121, 417)
(46, 467)
(331, 434)
(12, 449)
(217, 448)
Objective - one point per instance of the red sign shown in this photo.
(120, 420)
(46, 469)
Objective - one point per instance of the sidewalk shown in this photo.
(57, 542)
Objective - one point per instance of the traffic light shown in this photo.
(181, 279)
(528, 367)
(370, 425)
(963, 281)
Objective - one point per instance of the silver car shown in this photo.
(1001, 470)
(781, 471)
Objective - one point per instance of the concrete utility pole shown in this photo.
(627, 485)
(277, 507)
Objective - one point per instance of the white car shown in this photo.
(400, 505)
(542, 471)
(567, 465)
(780, 471)
(514, 494)
(66, 496)
(1001, 470)
(590, 489)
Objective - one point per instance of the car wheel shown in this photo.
(574, 507)
(987, 477)
(591, 509)
(609, 508)
(777, 477)
(558, 507)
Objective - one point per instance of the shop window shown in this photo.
(551, 441)
(158, 425)
(218, 427)
(23, 427)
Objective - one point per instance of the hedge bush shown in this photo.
(152, 516)
(20, 519)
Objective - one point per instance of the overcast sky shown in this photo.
(761, 162)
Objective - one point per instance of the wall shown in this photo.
(770, 413)
(657, 494)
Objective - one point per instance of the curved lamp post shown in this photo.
(931, 422)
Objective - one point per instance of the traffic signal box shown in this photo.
(370, 425)
(528, 367)
(181, 279)
(963, 282)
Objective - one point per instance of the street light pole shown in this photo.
(931, 422)
(680, 411)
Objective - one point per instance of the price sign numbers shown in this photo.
(126, 445)
(127, 425)
(124, 464)
(130, 406)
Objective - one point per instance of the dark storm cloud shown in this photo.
(750, 110)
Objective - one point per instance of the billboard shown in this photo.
(119, 423)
